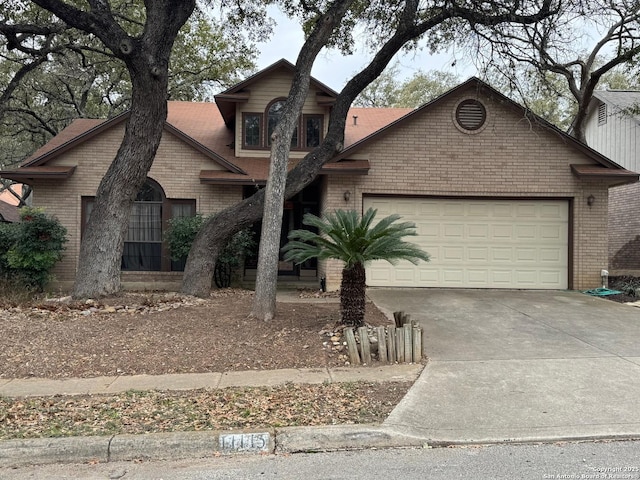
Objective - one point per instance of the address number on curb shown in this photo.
(244, 442)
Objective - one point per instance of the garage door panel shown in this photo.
(453, 254)
(501, 232)
(478, 277)
(526, 278)
(453, 231)
(428, 277)
(503, 210)
(480, 243)
(526, 210)
(552, 232)
(404, 273)
(478, 254)
(525, 232)
(453, 209)
(479, 209)
(553, 211)
(478, 232)
(502, 254)
(553, 255)
(551, 278)
(383, 206)
(453, 277)
(501, 278)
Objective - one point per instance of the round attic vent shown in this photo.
(470, 114)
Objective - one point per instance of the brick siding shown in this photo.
(624, 229)
(510, 158)
(176, 168)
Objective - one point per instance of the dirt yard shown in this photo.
(156, 333)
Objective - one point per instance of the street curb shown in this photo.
(155, 446)
(184, 445)
(341, 437)
(187, 445)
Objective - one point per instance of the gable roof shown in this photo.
(241, 92)
(604, 165)
(203, 126)
(200, 125)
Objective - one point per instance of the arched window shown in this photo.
(274, 112)
(257, 128)
(143, 243)
(144, 249)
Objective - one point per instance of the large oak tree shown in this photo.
(142, 40)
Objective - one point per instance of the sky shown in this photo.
(334, 70)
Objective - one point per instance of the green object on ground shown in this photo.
(602, 292)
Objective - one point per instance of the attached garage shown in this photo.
(478, 243)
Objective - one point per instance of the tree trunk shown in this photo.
(212, 237)
(147, 60)
(264, 303)
(353, 295)
(99, 262)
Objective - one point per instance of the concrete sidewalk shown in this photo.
(29, 387)
(177, 445)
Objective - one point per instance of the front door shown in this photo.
(307, 201)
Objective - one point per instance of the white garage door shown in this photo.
(479, 243)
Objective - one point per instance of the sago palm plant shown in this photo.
(344, 235)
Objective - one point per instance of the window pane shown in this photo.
(252, 130)
(275, 110)
(313, 131)
(273, 117)
(180, 210)
(145, 223)
(149, 193)
(141, 257)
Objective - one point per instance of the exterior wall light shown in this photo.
(591, 200)
(346, 195)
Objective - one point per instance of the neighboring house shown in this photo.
(501, 198)
(8, 213)
(613, 129)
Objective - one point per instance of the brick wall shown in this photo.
(624, 227)
(176, 168)
(509, 158)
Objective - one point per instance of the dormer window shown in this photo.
(258, 127)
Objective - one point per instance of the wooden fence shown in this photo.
(401, 343)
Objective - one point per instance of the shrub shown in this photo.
(34, 246)
(181, 233)
(8, 237)
(232, 256)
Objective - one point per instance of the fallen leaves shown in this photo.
(158, 333)
(138, 412)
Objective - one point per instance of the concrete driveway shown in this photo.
(512, 365)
